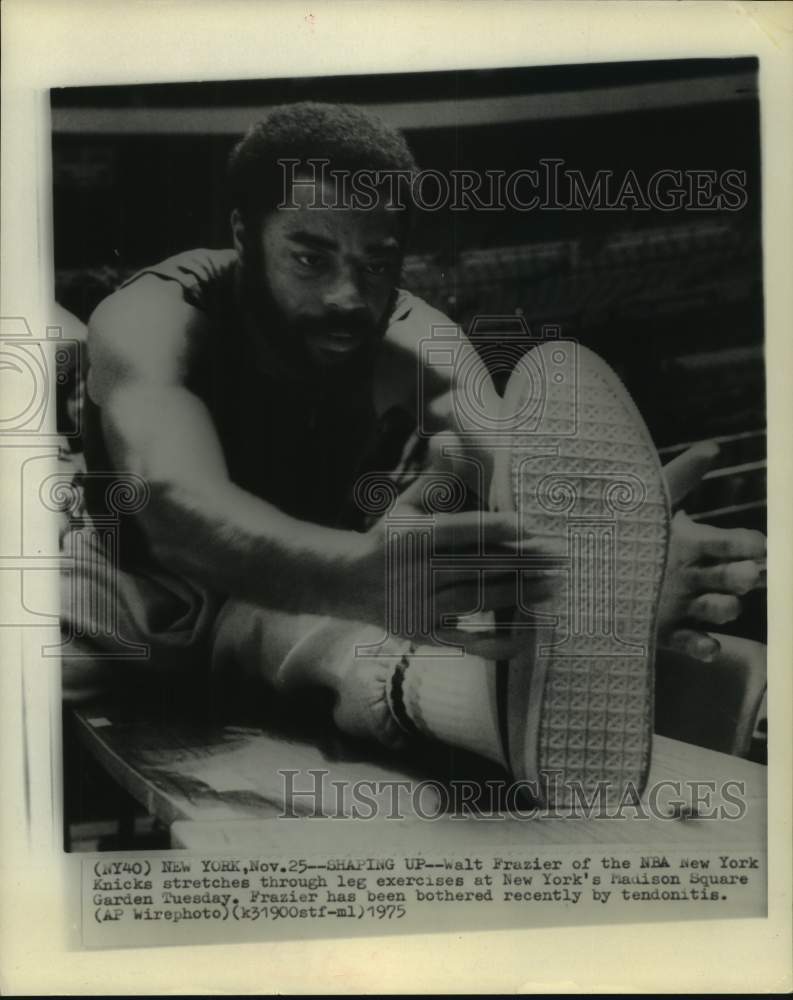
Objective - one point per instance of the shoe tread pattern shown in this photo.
(595, 722)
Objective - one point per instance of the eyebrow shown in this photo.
(389, 245)
(313, 240)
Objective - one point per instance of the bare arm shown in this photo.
(142, 342)
(197, 522)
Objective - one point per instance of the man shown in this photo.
(247, 392)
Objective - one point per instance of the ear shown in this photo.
(238, 233)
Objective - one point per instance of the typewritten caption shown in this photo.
(161, 900)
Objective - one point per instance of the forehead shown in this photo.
(316, 214)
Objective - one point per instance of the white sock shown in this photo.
(453, 699)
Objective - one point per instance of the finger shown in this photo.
(456, 601)
(685, 471)
(716, 609)
(727, 578)
(468, 599)
(540, 544)
(503, 644)
(697, 645)
(499, 588)
(495, 531)
(491, 533)
(730, 544)
(469, 529)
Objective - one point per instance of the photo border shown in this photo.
(64, 43)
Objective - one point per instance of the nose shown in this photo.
(344, 295)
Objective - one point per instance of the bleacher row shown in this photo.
(668, 268)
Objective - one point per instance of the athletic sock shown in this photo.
(448, 698)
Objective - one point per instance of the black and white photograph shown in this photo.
(407, 459)
(494, 320)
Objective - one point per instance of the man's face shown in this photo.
(330, 274)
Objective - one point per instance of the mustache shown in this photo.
(355, 324)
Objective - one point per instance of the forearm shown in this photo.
(200, 524)
(230, 541)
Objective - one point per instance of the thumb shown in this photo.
(684, 473)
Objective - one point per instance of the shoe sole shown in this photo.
(578, 701)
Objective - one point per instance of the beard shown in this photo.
(292, 339)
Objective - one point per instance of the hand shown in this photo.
(709, 568)
(423, 589)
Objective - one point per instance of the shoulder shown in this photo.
(154, 326)
(201, 276)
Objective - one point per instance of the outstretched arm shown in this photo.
(142, 342)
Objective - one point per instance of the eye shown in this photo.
(309, 261)
(377, 267)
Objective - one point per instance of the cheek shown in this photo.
(286, 290)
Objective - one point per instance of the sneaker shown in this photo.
(579, 465)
